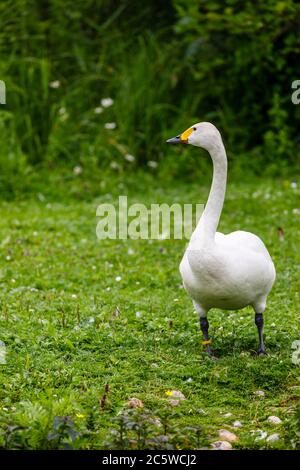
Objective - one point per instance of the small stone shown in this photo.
(237, 424)
(274, 420)
(135, 403)
(175, 394)
(273, 437)
(222, 445)
(227, 435)
(174, 402)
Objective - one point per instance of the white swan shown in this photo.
(223, 271)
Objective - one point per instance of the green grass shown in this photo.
(70, 328)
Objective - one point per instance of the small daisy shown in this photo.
(107, 102)
(77, 170)
(152, 164)
(110, 125)
(129, 158)
(98, 110)
(54, 84)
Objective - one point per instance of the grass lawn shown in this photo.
(69, 328)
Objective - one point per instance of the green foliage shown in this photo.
(70, 328)
(243, 56)
(165, 66)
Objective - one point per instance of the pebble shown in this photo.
(273, 437)
(274, 420)
(222, 445)
(175, 394)
(227, 435)
(174, 402)
(237, 424)
(135, 403)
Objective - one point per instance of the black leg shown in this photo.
(206, 341)
(259, 322)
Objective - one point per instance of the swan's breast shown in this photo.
(225, 277)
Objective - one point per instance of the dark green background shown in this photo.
(166, 64)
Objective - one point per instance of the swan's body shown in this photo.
(223, 271)
(235, 271)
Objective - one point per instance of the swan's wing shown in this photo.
(241, 239)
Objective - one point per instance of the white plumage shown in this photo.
(223, 271)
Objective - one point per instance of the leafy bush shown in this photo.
(165, 65)
(243, 57)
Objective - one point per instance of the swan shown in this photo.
(223, 271)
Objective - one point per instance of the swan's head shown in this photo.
(203, 134)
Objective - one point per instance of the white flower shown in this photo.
(296, 211)
(77, 170)
(118, 278)
(138, 314)
(98, 110)
(110, 125)
(114, 165)
(294, 185)
(61, 111)
(152, 164)
(107, 102)
(74, 296)
(129, 158)
(8, 258)
(130, 251)
(260, 393)
(54, 84)
(176, 300)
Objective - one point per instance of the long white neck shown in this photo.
(208, 223)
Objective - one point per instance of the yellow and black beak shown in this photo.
(174, 140)
(182, 138)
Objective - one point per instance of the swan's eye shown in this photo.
(194, 128)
